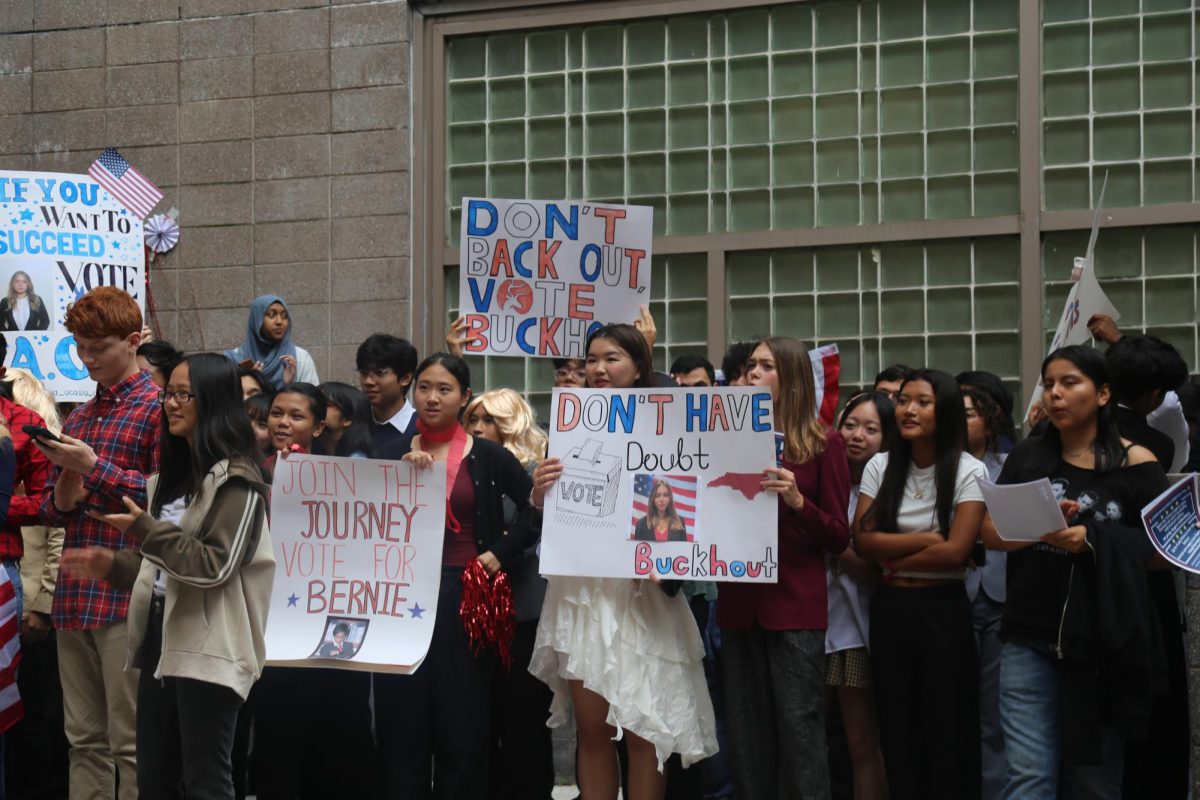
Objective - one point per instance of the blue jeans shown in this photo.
(1029, 716)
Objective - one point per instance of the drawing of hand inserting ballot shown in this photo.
(590, 481)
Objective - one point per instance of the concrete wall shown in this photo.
(278, 128)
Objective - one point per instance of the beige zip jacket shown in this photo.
(219, 568)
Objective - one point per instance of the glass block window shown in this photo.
(1148, 273)
(953, 304)
(1118, 98)
(841, 112)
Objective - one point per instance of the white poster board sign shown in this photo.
(62, 235)
(536, 276)
(699, 452)
(358, 555)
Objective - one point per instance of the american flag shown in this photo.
(827, 368)
(11, 709)
(683, 487)
(125, 183)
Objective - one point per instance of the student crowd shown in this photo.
(906, 651)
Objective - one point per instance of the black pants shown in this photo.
(36, 747)
(312, 734)
(926, 672)
(522, 759)
(434, 725)
(184, 731)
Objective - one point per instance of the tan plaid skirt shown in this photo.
(850, 668)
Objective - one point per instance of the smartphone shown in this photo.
(40, 432)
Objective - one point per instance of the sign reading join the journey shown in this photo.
(358, 555)
(1173, 521)
(60, 236)
(537, 276)
(662, 481)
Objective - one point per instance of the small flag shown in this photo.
(683, 491)
(827, 368)
(11, 709)
(125, 183)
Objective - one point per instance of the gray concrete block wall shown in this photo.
(278, 128)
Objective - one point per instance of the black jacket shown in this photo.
(1112, 655)
(39, 318)
(496, 474)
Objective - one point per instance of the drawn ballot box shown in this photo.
(590, 481)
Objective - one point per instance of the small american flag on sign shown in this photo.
(683, 489)
(125, 183)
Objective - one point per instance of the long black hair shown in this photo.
(631, 340)
(950, 439)
(222, 431)
(354, 406)
(884, 407)
(1110, 453)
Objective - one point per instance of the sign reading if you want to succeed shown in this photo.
(63, 235)
(358, 555)
(536, 276)
(695, 457)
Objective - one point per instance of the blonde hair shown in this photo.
(28, 391)
(796, 400)
(35, 302)
(514, 419)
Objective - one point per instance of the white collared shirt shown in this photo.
(402, 417)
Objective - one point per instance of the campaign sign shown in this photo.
(663, 482)
(1173, 521)
(61, 235)
(358, 556)
(537, 276)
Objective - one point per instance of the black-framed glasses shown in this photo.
(183, 398)
(378, 373)
(562, 373)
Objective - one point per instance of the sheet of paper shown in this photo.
(1023, 512)
(1173, 522)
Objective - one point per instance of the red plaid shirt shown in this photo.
(33, 470)
(122, 426)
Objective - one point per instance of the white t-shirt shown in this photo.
(918, 507)
(172, 512)
(849, 603)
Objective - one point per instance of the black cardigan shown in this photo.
(496, 474)
(39, 318)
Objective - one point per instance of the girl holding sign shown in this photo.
(1068, 697)
(201, 583)
(440, 714)
(919, 512)
(773, 634)
(625, 653)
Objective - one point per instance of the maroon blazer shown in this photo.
(799, 600)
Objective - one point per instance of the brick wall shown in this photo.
(278, 128)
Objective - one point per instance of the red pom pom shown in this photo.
(487, 612)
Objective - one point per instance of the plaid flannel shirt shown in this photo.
(122, 425)
(33, 470)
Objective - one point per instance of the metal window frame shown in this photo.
(434, 23)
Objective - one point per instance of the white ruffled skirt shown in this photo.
(638, 649)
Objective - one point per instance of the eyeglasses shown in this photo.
(378, 373)
(562, 373)
(183, 398)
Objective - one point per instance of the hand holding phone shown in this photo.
(40, 432)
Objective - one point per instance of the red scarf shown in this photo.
(457, 437)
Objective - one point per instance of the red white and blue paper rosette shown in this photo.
(162, 233)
